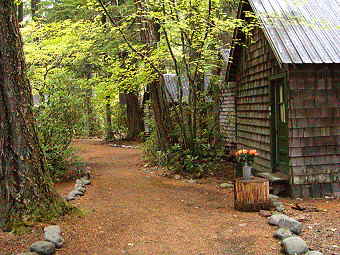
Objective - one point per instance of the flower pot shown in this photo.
(246, 172)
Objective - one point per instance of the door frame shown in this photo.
(273, 117)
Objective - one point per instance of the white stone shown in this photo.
(43, 248)
(283, 221)
(294, 245)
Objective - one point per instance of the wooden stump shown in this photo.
(252, 194)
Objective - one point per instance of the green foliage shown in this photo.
(55, 55)
(192, 34)
(57, 118)
(152, 152)
(201, 162)
(81, 63)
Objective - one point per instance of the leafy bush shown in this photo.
(57, 117)
(202, 158)
(201, 162)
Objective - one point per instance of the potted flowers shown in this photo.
(245, 159)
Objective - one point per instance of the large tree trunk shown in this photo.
(161, 114)
(134, 116)
(91, 120)
(21, 12)
(150, 35)
(25, 184)
(108, 112)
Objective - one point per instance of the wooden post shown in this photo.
(251, 194)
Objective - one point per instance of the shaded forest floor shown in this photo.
(130, 211)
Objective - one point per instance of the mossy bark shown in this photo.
(26, 190)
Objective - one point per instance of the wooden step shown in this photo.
(274, 177)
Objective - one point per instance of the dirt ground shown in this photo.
(128, 210)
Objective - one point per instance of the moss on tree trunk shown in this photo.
(26, 189)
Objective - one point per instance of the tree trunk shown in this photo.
(108, 112)
(160, 109)
(21, 12)
(252, 194)
(150, 35)
(134, 117)
(25, 184)
(91, 119)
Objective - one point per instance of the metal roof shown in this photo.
(171, 83)
(225, 54)
(173, 88)
(301, 31)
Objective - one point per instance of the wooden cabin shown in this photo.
(285, 90)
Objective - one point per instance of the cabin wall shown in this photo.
(255, 64)
(314, 129)
(227, 114)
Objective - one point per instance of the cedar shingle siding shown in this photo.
(227, 114)
(256, 64)
(313, 106)
(314, 124)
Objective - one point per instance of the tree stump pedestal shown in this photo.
(251, 194)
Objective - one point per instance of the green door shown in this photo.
(280, 126)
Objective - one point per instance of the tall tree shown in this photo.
(150, 35)
(21, 12)
(25, 184)
(134, 116)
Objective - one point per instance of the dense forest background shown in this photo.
(137, 70)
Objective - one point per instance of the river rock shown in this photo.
(277, 203)
(85, 181)
(294, 245)
(177, 177)
(79, 182)
(280, 208)
(273, 197)
(283, 233)
(226, 185)
(80, 188)
(192, 181)
(265, 213)
(283, 221)
(53, 228)
(43, 248)
(314, 253)
(77, 192)
(53, 235)
(71, 196)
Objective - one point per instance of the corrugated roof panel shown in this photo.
(301, 31)
(173, 88)
(302, 37)
(330, 32)
(273, 33)
(316, 38)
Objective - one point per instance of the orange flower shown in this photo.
(253, 152)
(243, 151)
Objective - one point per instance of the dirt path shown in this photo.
(130, 212)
